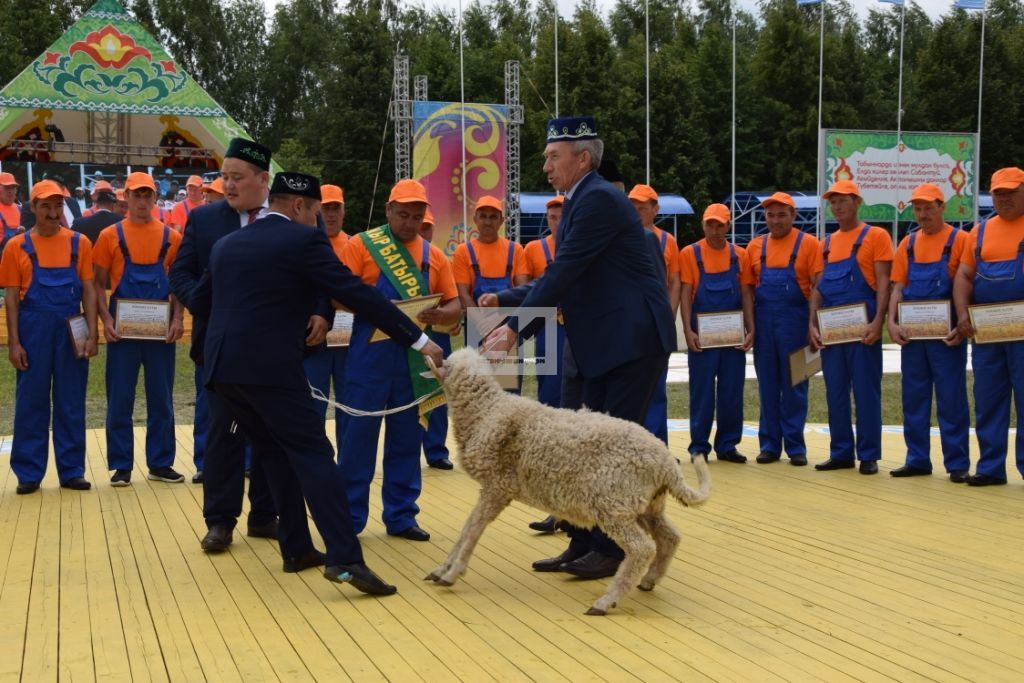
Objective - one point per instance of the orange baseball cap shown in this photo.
(842, 187)
(102, 186)
(779, 198)
(717, 212)
(139, 180)
(44, 189)
(331, 194)
(119, 193)
(927, 193)
(408, 191)
(557, 200)
(7, 179)
(489, 202)
(643, 193)
(1007, 179)
(217, 185)
(194, 181)
(428, 218)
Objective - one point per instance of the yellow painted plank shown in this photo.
(75, 659)
(42, 631)
(16, 589)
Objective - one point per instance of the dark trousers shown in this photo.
(622, 392)
(224, 472)
(287, 434)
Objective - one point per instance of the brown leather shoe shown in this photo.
(593, 565)
(554, 564)
(217, 539)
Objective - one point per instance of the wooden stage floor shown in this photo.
(787, 574)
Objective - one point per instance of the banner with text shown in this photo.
(437, 162)
(886, 173)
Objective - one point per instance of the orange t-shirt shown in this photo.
(492, 259)
(52, 252)
(808, 259)
(877, 246)
(359, 260)
(536, 261)
(178, 215)
(11, 214)
(1002, 239)
(338, 243)
(671, 250)
(715, 261)
(143, 241)
(928, 249)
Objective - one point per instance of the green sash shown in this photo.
(397, 265)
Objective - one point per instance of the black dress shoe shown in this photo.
(984, 480)
(869, 467)
(765, 457)
(442, 464)
(76, 484)
(731, 456)
(360, 576)
(799, 460)
(959, 476)
(197, 478)
(27, 487)
(833, 464)
(314, 558)
(593, 565)
(268, 530)
(554, 564)
(217, 539)
(545, 526)
(908, 471)
(413, 533)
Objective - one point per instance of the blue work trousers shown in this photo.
(854, 367)
(716, 392)
(929, 365)
(998, 374)
(124, 359)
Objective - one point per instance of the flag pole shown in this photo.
(899, 129)
(732, 193)
(554, 3)
(977, 142)
(462, 125)
(821, 72)
(647, 95)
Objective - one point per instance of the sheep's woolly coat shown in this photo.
(587, 468)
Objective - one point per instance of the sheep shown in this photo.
(584, 467)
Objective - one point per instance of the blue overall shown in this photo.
(8, 233)
(322, 368)
(656, 419)
(436, 434)
(376, 377)
(780, 328)
(491, 285)
(853, 366)
(125, 357)
(928, 364)
(716, 375)
(549, 387)
(53, 295)
(999, 367)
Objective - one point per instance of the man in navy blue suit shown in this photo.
(606, 279)
(261, 287)
(219, 452)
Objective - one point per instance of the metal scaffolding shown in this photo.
(419, 88)
(512, 150)
(401, 114)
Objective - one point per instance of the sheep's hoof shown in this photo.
(595, 612)
(432, 576)
(443, 582)
(646, 586)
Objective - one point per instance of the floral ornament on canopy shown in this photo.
(108, 61)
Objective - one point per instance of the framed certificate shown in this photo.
(842, 324)
(803, 364)
(78, 331)
(1002, 322)
(925, 319)
(411, 307)
(715, 330)
(340, 333)
(143, 319)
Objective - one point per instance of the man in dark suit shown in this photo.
(611, 291)
(260, 290)
(102, 216)
(219, 451)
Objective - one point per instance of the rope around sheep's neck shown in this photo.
(355, 412)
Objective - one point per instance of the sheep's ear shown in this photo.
(439, 373)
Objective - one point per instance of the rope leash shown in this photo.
(319, 395)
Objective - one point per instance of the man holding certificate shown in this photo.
(47, 272)
(143, 322)
(919, 321)
(847, 312)
(991, 276)
(384, 374)
(718, 321)
(784, 265)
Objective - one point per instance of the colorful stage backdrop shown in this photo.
(869, 158)
(437, 162)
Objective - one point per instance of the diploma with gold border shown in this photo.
(993, 323)
(340, 333)
(78, 330)
(842, 324)
(411, 307)
(147, 319)
(925, 319)
(715, 330)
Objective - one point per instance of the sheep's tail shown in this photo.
(687, 495)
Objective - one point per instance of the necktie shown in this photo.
(254, 214)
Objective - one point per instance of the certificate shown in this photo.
(842, 324)
(1002, 322)
(78, 330)
(340, 333)
(720, 329)
(925, 319)
(411, 307)
(803, 364)
(143, 319)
